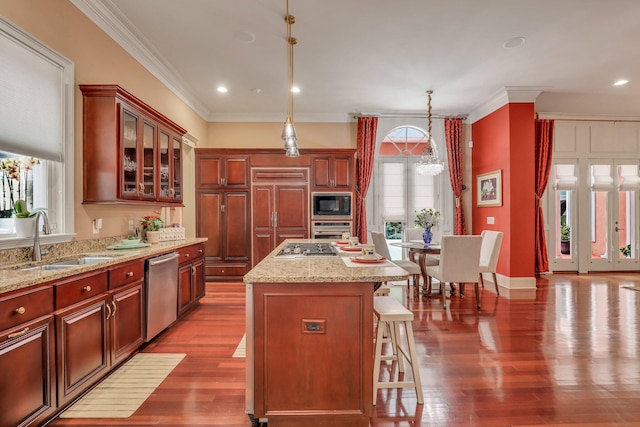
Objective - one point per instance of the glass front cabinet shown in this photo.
(132, 153)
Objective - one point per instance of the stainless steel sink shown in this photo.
(78, 261)
(69, 263)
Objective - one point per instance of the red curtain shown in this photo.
(544, 150)
(453, 132)
(366, 149)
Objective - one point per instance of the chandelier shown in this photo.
(429, 164)
(289, 135)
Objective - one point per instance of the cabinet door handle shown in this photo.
(200, 251)
(221, 208)
(172, 192)
(129, 273)
(20, 310)
(108, 311)
(141, 187)
(18, 334)
(113, 303)
(87, 289)
(187, 255)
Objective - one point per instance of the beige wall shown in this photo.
(267, 135)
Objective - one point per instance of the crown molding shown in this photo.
(504, 96)
(106, 16)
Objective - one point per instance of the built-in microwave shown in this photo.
(331, 205)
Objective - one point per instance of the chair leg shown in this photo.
(481, 280)
(495, 281)
(444, 294)
(477, 295)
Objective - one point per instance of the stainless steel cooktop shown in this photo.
(298, 250)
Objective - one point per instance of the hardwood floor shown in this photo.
(566, 354)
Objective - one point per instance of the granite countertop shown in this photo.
(318, 269)
(14, 276)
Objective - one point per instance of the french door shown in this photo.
(595, 219)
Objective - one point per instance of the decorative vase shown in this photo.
(427, 235)
(153, 236)
(25, 227)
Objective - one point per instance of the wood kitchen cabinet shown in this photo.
(333, 170)
(131, 153)
(219, 170)
(224, 217)
(280, 200)
(191, 283)
(99, 323)
(27, 358)
(223, 205)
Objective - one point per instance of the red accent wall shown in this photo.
(504, 140)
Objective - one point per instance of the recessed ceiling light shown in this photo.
(244, 37)
(222, 89)
(295, 89)
(256, 90)
(621, 82)
(514, 42)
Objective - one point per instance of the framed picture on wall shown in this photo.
(489, 188)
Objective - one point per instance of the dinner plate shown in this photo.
(362, 260)
(351, 249)
(342, 242)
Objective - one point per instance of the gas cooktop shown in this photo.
(296, 250)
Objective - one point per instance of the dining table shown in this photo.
(420, 250)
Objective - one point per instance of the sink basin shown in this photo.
(77, 261)
(69, 263)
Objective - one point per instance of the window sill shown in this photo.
(21, 242)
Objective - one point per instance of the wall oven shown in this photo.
(331, 206)
(329, 229)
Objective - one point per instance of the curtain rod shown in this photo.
(407, 116)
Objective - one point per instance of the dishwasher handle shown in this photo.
(162, 259)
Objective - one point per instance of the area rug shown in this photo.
(633, 288)
(241, 350)
(122, 393)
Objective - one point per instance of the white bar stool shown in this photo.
(390, 313)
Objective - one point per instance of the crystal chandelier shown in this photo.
(429, 164)
(289, 135)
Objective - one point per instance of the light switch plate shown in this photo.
(491, 220)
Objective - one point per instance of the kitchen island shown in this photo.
(310, 339)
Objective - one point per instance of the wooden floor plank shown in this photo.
(566, 357)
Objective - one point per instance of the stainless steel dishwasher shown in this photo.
(161, 282)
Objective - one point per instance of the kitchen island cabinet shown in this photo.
(324, 310)
(27, 358)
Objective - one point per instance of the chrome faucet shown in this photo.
(46, 229)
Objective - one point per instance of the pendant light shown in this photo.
(289, 135)
(429, 164)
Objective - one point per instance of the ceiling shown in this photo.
(380, 56)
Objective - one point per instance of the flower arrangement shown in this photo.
(16, 185)
(427, 218)
(152, 222)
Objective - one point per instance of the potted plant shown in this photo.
(151, 226)
(565, 239)
(626, 251)
(24, 221)
(427, 218)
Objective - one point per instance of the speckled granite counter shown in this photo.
(14, 276)
(317, 269)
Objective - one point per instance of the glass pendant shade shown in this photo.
(288, 130)
(429, 164)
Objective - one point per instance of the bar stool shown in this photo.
(390, 313)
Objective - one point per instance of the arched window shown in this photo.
(403, 190)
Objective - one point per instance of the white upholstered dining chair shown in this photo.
(489, 254)
(459, 263)
(382, 249)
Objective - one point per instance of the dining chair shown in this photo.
(459, 263)
(382, 249)
(489, 254)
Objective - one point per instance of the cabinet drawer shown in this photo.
(189, 253)
(79, 289)
(221, 271)
(25, 306)
(127, 273)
